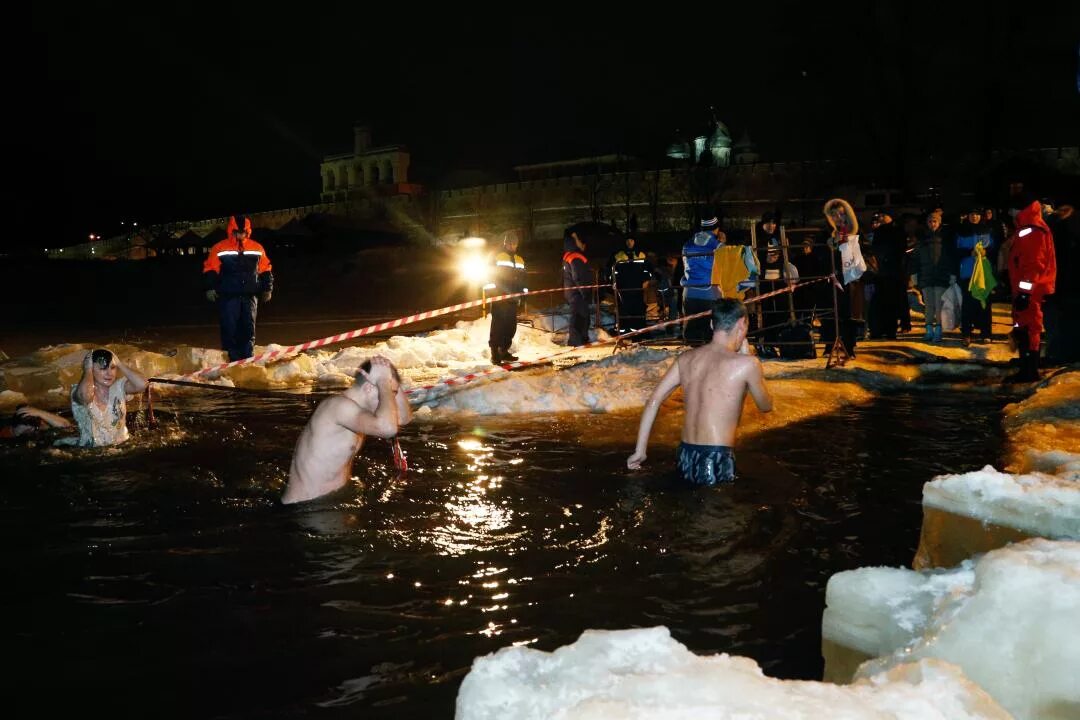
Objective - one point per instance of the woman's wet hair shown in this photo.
(18, 420)
(726, 314)
(101, 357)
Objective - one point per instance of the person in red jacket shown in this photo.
(236, 275)
(1032, 274)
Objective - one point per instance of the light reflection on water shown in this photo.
(174, 560)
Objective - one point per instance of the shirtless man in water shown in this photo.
(373, 405)
(715, 379)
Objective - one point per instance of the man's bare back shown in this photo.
(715, 379)
(715, 382)
(324, 453)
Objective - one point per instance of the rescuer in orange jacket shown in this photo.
(576, 273)
(236, 275)
(1032, 275)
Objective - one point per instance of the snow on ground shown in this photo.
(645, 673)
(1008, 619)
(591, 380)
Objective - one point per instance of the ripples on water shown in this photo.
(164, 575)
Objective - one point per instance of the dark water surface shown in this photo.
(163, 578)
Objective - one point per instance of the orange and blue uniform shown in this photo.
(576, 273)
(238, 270)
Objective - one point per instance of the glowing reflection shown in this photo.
(492, 629)
(475, 522)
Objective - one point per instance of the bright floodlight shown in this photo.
(473, 242)
(473, 268)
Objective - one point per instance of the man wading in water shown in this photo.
(715, 379)
(373, 405)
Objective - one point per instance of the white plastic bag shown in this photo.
(950, 308)
(852, 259)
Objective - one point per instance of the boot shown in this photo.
(1029, 369)
(506, 356)
(1020, 375)
(929, 333)
(1029, 360)
(496, 355)
(1032, 367)
(937, 334)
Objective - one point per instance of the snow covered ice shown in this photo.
(974, 512)
(1009, 619)
(645, 673)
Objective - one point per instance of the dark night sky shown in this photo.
(174, 113)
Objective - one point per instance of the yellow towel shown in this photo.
(982, 281)
(728, 270)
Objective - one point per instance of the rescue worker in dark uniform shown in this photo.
(630, 272)
(575, 268)
(236, 275)
(508, 275)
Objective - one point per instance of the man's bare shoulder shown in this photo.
(333, 408)
(711, 360)
(744, 365)
(694, 355)
(749, 361)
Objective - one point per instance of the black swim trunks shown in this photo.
(706, 464)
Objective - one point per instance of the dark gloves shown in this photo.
(1021, 302)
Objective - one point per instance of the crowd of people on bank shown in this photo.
(950, 265)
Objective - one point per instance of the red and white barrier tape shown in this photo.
(284, 352)
(463, 379)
